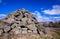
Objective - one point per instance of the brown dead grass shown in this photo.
(53, 35)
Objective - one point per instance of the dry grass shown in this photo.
(25, 37)
(32, 37)
(55, 35)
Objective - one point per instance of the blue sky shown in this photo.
(43, 10)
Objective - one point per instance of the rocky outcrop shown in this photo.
(19, 22)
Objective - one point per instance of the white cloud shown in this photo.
(55, 10)
(38, 14)
(44, 18)
(2, 16)
(56, 17)
(39, 17)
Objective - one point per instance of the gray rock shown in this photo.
(1, 31)
(16, 30)
(6, 28)
(20, 22)
(29, 31)
(24, 29)
(41, 32)
(9, 20)
(32, 27)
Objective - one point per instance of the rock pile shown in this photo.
(18, 23)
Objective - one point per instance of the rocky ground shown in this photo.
(21, 24)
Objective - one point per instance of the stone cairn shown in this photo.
(20, 22)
